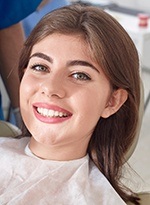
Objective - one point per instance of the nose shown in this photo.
(53, 87)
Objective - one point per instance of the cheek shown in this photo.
(24, 90)
(27, 89)
(94, 107)
(91, 103)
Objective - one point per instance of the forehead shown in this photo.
(61, 43)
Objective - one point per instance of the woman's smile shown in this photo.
(50, 113)
(64, 91)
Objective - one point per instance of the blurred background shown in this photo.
(138, 27)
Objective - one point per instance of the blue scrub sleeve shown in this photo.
(13, 11)
(1, 110)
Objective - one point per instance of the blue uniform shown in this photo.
(13, 11)
(30, 21)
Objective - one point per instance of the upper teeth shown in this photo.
(50, 113)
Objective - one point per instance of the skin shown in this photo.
(58, 78)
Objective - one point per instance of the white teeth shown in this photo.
(50, 113)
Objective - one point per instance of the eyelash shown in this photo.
(80, 76)
(37, 67)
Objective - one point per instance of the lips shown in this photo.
(50, 113)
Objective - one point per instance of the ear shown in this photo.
(116, 100)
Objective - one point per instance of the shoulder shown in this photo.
(96, 175)
(102, 189)
(9, 144)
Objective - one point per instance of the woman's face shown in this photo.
(63, 93)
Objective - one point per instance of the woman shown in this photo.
(79, 99)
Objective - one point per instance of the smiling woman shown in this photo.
(79, 100)
(83, 81)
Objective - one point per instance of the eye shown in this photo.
(39, 68)
(81, 76)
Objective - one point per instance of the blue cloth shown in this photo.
(13, 11)
(1, 111)
(30, 22)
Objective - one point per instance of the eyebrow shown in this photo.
(70, 63)
(43, 56)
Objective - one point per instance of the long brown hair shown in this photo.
(114, 51)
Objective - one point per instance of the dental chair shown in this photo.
(8, 130)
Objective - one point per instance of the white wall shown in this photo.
(136, 4)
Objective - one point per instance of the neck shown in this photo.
(57, 153)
